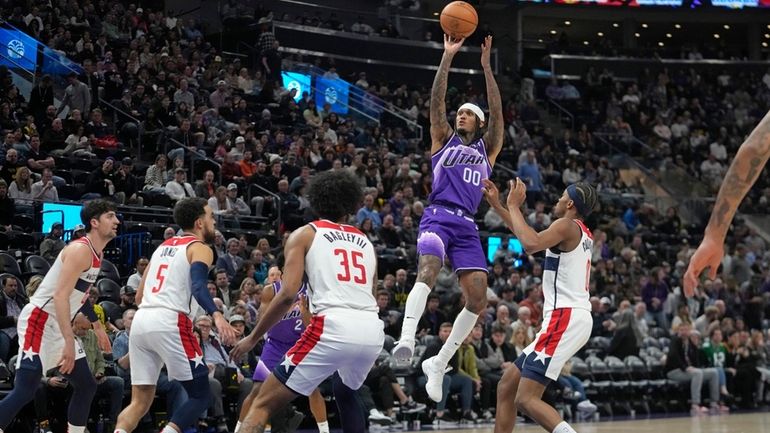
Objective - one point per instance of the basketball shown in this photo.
(459, 19)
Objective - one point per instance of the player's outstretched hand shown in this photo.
(486, 49)
(708, 255)
(242, 347)
(102, 339)
(491, 193)
(517, 194)
(452, 46)
(226, 332)
(67, 361)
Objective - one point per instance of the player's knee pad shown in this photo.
(430, 243)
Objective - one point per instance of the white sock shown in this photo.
(168, 429)
(117, 430)
(462, 326)
(75, 429)
(323, 427)
(415, 305)
(563, 427)
(237, 427)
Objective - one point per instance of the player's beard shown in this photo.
(209, 236)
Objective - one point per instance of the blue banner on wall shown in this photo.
(295, 80)
(18, 50)
(333, 92)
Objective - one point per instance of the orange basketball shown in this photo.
(459, 19)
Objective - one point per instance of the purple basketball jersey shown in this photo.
(457, 174)
(290, 327)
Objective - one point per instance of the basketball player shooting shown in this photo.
(461, 160)
(743, 172)
(567, 319)
(46, 339)
(174, 284)
(345, 335)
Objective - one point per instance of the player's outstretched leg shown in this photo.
(84, 389)
(349, 405)
(25, 384)
(247, 403)
(505, 415)
(199, 398)
(272, 396)
(141, 400)
(474, 285)
(428, 268)
(529, 399)
(318, 408)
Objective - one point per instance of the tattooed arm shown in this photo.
(493, 138)
(743, 172)
(439, 127)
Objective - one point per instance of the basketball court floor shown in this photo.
(756, 422)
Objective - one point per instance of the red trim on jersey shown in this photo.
(96, 261)
(584, 229)
(561, 327)
(177, 241)
(548, 341)
(189, 341)
(307, 341)
(323, 224)
(35, 326)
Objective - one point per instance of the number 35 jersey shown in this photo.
(168, 284)
(457, 174)
(340, 267)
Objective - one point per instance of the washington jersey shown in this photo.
(43, 297)
(290, 327)
(566, 274)
(168, 284)
(457, 174)
(340, 267)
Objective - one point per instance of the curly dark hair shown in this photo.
(188, 210)
(94, 209)
(334, 195)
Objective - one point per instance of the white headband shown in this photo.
(474, 108)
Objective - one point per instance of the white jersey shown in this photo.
(168, 284)
(566, 275)
(340, 267)
(43, 297)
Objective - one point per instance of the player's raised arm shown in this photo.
(439, 126)
(201, 257)
(493, 138)
(76, 259)
(560, 231)
(293, 270)
(743, 172)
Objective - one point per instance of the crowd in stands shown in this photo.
(153, 76)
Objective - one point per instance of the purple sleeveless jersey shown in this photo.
(457, 174)
(290, 327)
(280, 338)
(447, 229)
